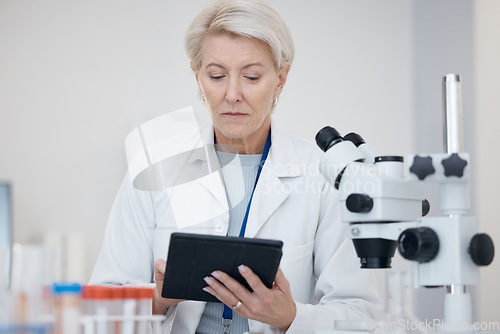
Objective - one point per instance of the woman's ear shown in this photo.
(194, 71)
(282, 76)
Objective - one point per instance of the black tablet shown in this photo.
(192, 257)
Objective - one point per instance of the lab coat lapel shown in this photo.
(270, 192)
(213, 183)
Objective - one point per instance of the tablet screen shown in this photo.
(192, 257)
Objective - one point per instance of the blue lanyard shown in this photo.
(262, 161)
(227, 315)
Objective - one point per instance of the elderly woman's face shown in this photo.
(239, 83)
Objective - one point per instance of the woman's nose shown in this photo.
(233, 92)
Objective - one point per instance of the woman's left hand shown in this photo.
(274, 306)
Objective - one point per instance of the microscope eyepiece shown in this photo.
(327, 137)
(354, 138)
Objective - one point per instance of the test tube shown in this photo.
(102, 305)
(87, 299)
(144, 307)
(28, 274)
(67, 307)
(116, 308)
(129, 305)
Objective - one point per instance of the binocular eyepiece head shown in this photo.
(340, 152)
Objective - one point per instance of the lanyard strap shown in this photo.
(262, 161)
(227, 315)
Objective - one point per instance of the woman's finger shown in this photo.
(220, 291)
(281, 282)
(252, 279)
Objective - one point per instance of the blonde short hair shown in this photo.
(245, 18)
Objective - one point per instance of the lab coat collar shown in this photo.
(270, 193)
(282, 152)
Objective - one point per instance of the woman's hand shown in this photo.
(273, 306)
(161, 304)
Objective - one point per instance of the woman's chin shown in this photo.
(234, 132)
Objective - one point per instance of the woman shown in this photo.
(241, 52)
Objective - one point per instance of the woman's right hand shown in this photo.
(161, 304)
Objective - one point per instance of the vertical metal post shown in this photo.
(457, 306)
(452, 121)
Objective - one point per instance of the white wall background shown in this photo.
(487, 74)
(76, 77)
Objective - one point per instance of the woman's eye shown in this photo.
(216, 77)
(253, 78)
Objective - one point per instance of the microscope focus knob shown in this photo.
(418, 244)
(422, 167)
(481, 249)
(426, 207)
(359, 203)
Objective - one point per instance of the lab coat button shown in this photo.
(219, 228)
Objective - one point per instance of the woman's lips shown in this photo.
(234, 115)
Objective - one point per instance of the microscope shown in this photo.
(382, 200)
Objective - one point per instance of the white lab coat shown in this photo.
(292, 203)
